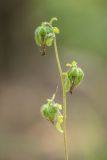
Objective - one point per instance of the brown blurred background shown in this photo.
(27, 80)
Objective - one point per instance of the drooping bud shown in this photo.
(45, 34)
(51, 111)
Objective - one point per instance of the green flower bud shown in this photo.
(44, 35)
(75, 75)
(51, 112)
(40, 34)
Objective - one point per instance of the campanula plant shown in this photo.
(45, 36)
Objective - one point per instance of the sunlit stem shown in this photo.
(64, 98)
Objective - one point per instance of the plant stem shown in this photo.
(64, 98)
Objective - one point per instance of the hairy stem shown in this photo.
(64, 98)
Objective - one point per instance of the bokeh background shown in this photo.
(27, 80)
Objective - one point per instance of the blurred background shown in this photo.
(27, 80)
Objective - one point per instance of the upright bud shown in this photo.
(74, 75)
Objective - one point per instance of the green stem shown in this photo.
(64, 98)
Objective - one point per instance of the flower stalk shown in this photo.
(45, 36)
(64, 99)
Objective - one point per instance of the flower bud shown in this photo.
(75, 75)
(51, 111)
(44, 35)
(40, 34)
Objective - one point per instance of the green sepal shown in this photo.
(73, 72)
(40, 35)
(49, 39)
(59, 123)
(79, 78)
(49, 111)
(44, 34)
(75, 75)
(56, 30)
(52, 112)
(67, 82)
(74, 64)
(44, 111)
